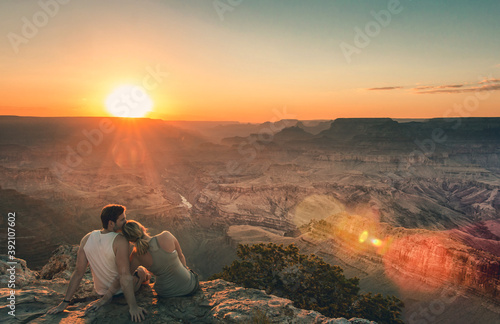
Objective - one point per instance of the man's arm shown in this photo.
(126, 280)
(76, 277)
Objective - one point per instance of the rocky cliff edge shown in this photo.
(217, 301)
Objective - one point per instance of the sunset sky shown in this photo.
(252, 60)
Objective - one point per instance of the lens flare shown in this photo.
(377, 242)
(129, 153)
(363, 237)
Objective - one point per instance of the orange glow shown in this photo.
(211, 71)
(419, 262)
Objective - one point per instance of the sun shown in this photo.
(129, 101)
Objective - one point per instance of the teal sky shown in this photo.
(250, 57)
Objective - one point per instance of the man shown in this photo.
(107, 252)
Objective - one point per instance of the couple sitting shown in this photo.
(107, 252)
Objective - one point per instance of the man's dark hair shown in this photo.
(111, 213)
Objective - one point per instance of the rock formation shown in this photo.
(217, 301)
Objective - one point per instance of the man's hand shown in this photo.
(138, 314)
(59, 308)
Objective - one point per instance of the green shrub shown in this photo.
(309, 282)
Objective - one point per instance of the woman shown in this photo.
(161, 255)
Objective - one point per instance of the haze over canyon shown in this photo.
(411, 207)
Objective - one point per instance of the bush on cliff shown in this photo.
(309, 282)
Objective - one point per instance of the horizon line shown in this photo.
(246, 122)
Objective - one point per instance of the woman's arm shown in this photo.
(115, 286)
(135, 265)
(104, 299)
(179, 251)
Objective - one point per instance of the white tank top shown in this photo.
(101, 257)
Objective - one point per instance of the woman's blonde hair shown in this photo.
(134, 232)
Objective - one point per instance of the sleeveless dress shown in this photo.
(172, 278)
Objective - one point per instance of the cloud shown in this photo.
(487, 84)
(428, 88)
(487, 87)
(451, 86)
(490, 81)
(385, 88)
(423, 87)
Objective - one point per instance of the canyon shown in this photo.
(409, 207)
